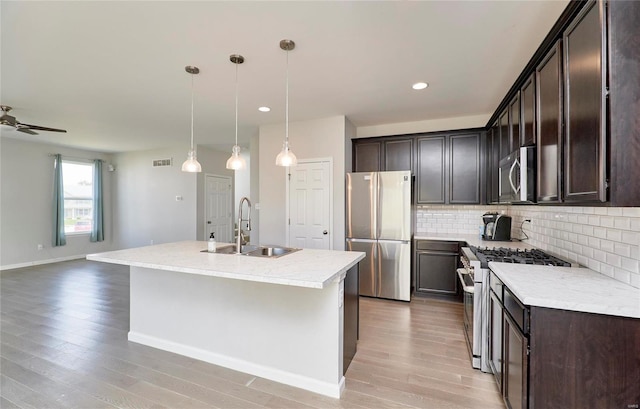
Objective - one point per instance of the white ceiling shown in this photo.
(112, 73)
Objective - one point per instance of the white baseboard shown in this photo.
(39, 262)
(274, 374)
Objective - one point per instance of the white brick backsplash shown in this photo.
(607, 245)
(605, 239)
(631, 212)
(614, 211)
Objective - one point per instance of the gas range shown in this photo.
(517, 256)
(474, 278)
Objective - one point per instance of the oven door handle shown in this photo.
(467, 288)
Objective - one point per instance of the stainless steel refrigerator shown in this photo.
(379, 224)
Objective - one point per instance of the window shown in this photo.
(78, 191)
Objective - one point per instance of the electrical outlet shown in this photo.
(151, 242)
(40, 247)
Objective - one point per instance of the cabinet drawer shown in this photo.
(448, 246)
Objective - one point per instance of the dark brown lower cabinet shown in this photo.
(582, 360)
(566, 359)
(515, 374)
(435, 267)
(351, 317)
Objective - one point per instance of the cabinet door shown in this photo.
(527, 113)
(495, 338)
(515, 380)
(398, 155)
(584, 70)
(431, 170)
(549, 124)
(514, 123)
(367, 156)
(436, 272)
(505, 142)
(494, 164)
(464, 169)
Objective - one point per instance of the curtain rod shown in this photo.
(76, 158)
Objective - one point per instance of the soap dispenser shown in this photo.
(211, 244)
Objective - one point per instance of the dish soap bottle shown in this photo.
(211, 244)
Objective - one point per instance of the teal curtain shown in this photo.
(59, 238)
(97, 232)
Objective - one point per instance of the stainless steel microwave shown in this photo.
(517, 176)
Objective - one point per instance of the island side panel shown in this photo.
(287, 334)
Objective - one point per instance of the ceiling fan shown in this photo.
(8, 120)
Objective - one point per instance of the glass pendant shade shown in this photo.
(236, 162)
(286, 157)
(191, 164)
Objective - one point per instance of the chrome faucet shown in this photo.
(240, 220)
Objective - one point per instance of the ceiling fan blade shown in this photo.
(41, 128)
(26, 130)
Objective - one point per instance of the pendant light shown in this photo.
(191, 164)
(286, 157)
(236, 162)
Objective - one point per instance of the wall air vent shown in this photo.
(162, 162)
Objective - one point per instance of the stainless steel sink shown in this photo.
(271, 251)
(255, 251)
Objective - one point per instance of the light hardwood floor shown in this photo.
(64, 344)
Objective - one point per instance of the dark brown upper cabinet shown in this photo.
(464, 169)
(431, 170)
(398, 154)
(549, 125)
(367, 156)
(585, 106)
(448, 169)
(527, 113)
(494, 163)
(505, 141)
(514, 123)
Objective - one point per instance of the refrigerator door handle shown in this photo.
(378, 271)
(375, 200)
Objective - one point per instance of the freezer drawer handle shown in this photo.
(461, 275)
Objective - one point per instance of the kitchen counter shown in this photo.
(291, 319)
(473, 240)
(305, 268)
(569, 288)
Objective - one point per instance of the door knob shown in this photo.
(325, 232)
(208, 221)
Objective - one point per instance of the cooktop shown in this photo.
(506, 255)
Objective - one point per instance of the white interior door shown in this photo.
(218, 214)
(310, 201)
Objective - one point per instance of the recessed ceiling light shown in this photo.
(264, 109)
(420, 85)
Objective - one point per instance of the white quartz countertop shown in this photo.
(303, 268)
(473, 240)
(569, 288)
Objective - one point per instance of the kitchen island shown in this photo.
(278, 318)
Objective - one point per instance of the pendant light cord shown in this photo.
(286, 133)
(236, 104)
(192, 112)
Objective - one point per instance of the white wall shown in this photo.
(26, 196)
(146, 203)
(146, 206)
(255, 188)
(319, 138)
